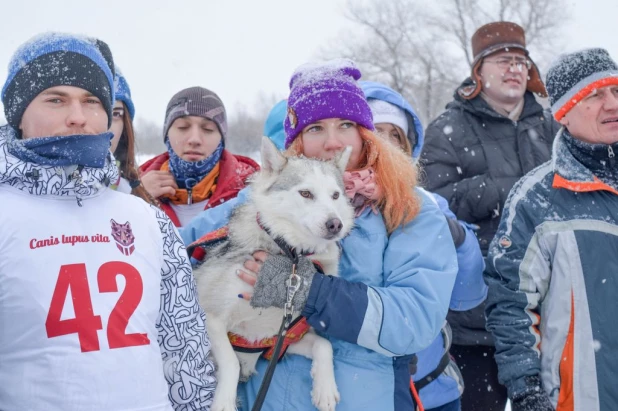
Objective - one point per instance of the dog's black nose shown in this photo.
(334, 225)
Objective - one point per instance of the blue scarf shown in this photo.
(80, 149)
(189, 173)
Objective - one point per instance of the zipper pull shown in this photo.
(190, 183)
(612, 156)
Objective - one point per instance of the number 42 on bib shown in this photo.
(86, 323)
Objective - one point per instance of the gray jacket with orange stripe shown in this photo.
(552, 272)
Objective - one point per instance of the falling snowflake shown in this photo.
(596, 344)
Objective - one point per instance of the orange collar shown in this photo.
(200, 192)
(297, 330)
(582, 186)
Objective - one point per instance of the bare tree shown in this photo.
(245, 128)
(244, 132)
(423, 51)
(540, 19)
(148, 137)
(395, 47)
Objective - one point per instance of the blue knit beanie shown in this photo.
(57, 59)
(123, 93)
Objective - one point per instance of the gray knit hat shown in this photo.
(574, 76)
(196, 101)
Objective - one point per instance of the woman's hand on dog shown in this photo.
(251, 269)
(270, 290)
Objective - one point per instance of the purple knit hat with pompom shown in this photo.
(325, 90)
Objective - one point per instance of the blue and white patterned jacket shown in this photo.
(132, 336)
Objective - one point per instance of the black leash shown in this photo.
(292, 286)
(423, 382)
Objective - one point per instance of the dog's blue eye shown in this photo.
(336, 195)
(306, 194)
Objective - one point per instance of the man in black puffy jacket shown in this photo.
(491, 134)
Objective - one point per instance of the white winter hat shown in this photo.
(384, 112)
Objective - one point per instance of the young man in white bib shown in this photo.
(98, 309)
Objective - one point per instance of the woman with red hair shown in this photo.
(397, 267)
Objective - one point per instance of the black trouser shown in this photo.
(483, 392)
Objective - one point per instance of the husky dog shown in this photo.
(302, 201)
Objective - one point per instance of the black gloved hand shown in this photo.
(270, 289)
(457, 231)
(532, 399)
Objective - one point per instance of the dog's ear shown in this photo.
(341, 160)
(272, 159)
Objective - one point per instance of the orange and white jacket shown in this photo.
(552, 272)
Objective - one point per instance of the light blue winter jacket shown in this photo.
(389, 301)
(469, 291)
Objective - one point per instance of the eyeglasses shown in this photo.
(506, 62)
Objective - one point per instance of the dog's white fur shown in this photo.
(301, 222)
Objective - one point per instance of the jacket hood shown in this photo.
(273, 126)
(379, 91)
(72, 181)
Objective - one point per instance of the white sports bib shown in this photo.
(80, 290)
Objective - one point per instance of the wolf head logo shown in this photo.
(123, 235)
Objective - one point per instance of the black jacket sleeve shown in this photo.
(471, 199)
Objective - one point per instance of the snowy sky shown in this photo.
(237, 48)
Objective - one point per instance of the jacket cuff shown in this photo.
(312, 297)
(523, 386)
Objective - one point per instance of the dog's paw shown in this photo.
(223, 405)
(247, 363)
(225, 400)
(325, 395)
(245, 374)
